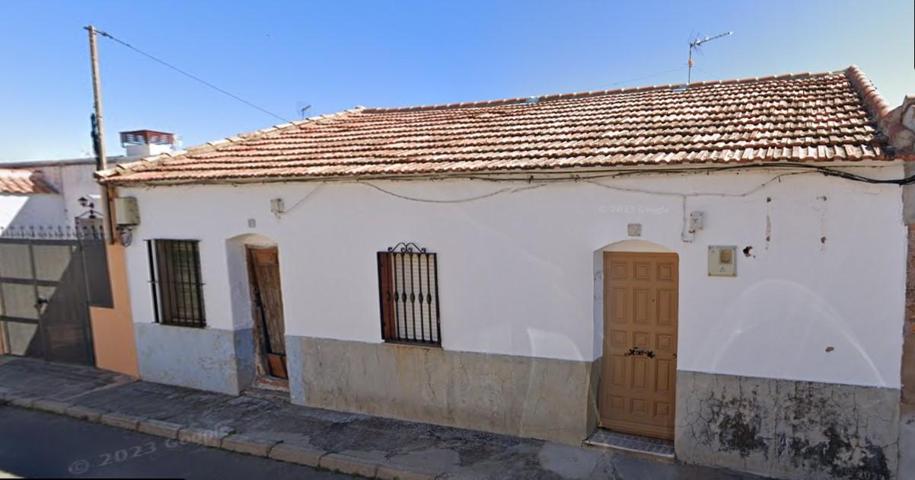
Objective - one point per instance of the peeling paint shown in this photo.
(788, 429)
(739, 433)
(841, 458)
(768, 221)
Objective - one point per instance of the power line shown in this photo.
(192, 76)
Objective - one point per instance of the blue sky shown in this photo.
(335, 55)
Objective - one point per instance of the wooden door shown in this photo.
(638, 378)
(270, 331)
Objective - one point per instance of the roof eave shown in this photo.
(531, 174)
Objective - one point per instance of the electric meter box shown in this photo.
(722, 261)
(127, 213)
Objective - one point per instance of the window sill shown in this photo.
(179, 325)
(403, 343)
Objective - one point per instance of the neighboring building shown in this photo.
(63, 292)
(722, 266)
(28, 199)
(67, 190)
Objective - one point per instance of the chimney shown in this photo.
(144, 143)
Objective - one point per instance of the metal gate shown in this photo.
(48, 278)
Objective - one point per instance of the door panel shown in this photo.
(268, 298)
(638, 383)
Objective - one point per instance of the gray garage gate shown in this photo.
(48, 279)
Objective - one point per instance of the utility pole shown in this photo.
(101, 161)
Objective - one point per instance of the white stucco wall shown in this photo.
(73, 181)
(517, 271)
(38, 210)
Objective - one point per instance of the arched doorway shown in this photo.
(254, 270)
(637, 392)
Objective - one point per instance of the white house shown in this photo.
(51, 194)
(27, 199)
(721, 266)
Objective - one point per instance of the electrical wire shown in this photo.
(593, 180)
(583, 175)
(192, 76)
(747, 193)
(508, 190)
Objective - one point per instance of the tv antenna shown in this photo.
(694, 45)
(302, 108)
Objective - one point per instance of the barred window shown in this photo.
(174, 267)
(408, 291)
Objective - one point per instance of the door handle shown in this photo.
(636, 351)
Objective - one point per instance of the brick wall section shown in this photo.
(908, 352)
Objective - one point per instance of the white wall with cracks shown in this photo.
(818, 296)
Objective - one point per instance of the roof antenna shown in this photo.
(302, 107)
(694, 45)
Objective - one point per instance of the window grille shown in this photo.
(408, 291)
(174, 267)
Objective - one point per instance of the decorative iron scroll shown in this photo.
(406, 247)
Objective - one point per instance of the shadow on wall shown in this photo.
(32, 211)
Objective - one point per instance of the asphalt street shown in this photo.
(36, 444)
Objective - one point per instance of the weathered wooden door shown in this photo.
(264, 268)
(638, 379)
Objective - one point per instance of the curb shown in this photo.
(120, 420)
(298, 454)
(159, 428)
(227, 439)
(241, 443)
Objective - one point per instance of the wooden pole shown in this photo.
(101, 161)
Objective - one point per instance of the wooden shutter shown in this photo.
(386, 295)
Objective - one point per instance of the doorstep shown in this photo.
(652, 447)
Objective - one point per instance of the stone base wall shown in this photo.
(523, 396)
(203, 358)
(787, 429)
(908, 345)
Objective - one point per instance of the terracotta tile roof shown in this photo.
(23, 182)
(790, 118)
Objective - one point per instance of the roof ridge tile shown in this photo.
(591, 93)
(873, 100)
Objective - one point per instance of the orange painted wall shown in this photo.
(112, 328)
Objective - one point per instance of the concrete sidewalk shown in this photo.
(350, 443)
